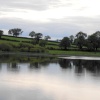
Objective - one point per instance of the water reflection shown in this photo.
(13, 67)
(79, 66)
(34, 66)
(64, 64)
(43, 78)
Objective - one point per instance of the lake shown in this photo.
(43, 78)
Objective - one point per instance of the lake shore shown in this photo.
(74, 53)
(80, 58)
(55, 54)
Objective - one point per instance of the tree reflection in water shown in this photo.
(80, 66)
(13, 67)
(34, 65)
(65, 63)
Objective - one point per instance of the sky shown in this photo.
(56, 18)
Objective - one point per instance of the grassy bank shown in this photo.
(73, 53)
(54, 53)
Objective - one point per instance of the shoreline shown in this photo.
(80, 58)
(46, 54)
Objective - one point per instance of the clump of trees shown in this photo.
(37, 38)
(47, 37)
(65, 43)
(82, 41)
(32, 34)
(15, 32)
(93, 41)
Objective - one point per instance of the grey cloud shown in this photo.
(87, 24)
(56, 28)
(28, 4)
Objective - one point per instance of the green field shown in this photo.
(25, 40)
(16, 38)
(73, 53)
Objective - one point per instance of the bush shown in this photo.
(25, 45)
(51, 48)
(6, 47)
(42, 43)
(24, 49)
(14, 45)
(38, 50)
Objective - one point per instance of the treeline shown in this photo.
(82, 41)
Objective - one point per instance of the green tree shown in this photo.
(88, 44)
(80, 40)
(1, 33)
(93, 41)
(15, 32)
(79, 34)
(65, 43)
(71, 39)
(47, 37)
(32, 34)
(97, 34)
(38, 36)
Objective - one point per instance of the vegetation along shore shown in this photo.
(37, 44)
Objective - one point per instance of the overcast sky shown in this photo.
(56, 18)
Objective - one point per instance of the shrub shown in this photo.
(6, 47)
(24, 49)
(42, 43)
(51, 48)
(25, 45)
(14, 45)
(38, 50)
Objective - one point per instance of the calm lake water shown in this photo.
(40, 78)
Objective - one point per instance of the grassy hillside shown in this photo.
(21, 44)
(24, 39)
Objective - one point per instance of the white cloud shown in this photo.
(56, 18)
(28, 4)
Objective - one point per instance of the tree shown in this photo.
(93, 41)
(42, 43)
(1, 33)
(97, 34)
(88, 44)
(38, 36)
(15, 32)
(71, 39)
(32, 34)
(80, 41)
(65, 43)
(79, 34)
(47, 37)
